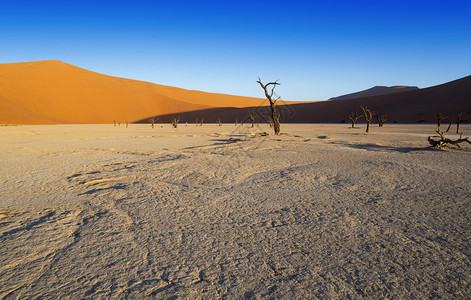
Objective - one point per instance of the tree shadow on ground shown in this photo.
(386, 148)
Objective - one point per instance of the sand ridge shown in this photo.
(53, 92)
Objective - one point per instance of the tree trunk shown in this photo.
(460, 116)
(274, 116)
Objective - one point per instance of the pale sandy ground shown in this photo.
(96, 211)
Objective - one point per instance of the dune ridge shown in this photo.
(414, 106)
(377, 91)
(54, 92)
(51, 92)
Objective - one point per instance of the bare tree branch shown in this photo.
(275, 117)
(443, 141)
(353, 117)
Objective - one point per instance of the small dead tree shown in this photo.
(114, 122)
(219, 121)
(381, 118)
(269, 95)
(368, 116)
(353, 117)
(152, 121)
(459, 119)
(175, 121)
(127, 123)
(449, 125)
(199, 123)
(443, 141)
(252, 117)
(440, 118)
(235, 122)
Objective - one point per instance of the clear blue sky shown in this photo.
(317, 49)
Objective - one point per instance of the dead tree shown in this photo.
(219, 121)
(235, 121)
(127, 123)
(381, 118)
(199, 123)
(353, 117)
(368, 116)
(175, 122)
(440, 118)
(252, 117)
(449, 125)
(459, 119)
(114, 122)
(269, 95)
(152, 121)
(443, 141)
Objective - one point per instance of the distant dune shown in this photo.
(51, 92)
(377, 91)
(414, 106)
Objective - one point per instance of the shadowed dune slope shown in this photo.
(415, 106)
(376, 91)
(50, 92)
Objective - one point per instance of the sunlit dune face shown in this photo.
(48, 92)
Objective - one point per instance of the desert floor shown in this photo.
(97, 211)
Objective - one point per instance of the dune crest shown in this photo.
(51, 92)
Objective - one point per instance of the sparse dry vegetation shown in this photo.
(353, 117)
(368, 116)
(443, 141)
(381, 117)
(269, 95)
(440, 118)
(152, 121)
(252, 118)
(175, 122)
(459, 119)
(199, 122)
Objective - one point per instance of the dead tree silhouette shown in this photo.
(269, 95)
(353, 117)
(368, 116)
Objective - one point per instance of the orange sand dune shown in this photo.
(50, 92)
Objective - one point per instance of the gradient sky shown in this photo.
(317, 49)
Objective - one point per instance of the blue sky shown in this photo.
(317, 49)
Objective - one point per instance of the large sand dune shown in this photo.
(415, 106)
(96, 211)
(50, 92)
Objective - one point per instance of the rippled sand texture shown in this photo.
(220, 212)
